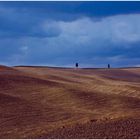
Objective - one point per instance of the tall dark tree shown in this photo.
(108, 66)
(76, 65)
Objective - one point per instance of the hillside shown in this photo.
(43, 102)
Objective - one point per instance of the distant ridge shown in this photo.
(45, 67)
(2, 67)
(73, 67)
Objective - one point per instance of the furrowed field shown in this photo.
(45, 102)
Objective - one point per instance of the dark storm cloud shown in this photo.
(62, 33)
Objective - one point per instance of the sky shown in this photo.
(93, 34)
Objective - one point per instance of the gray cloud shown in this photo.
(111, 39)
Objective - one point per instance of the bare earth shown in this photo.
(43, 102)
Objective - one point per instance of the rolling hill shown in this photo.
(47, 102)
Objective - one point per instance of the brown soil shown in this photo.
(43, 102)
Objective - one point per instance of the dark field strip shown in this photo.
(112, 129)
